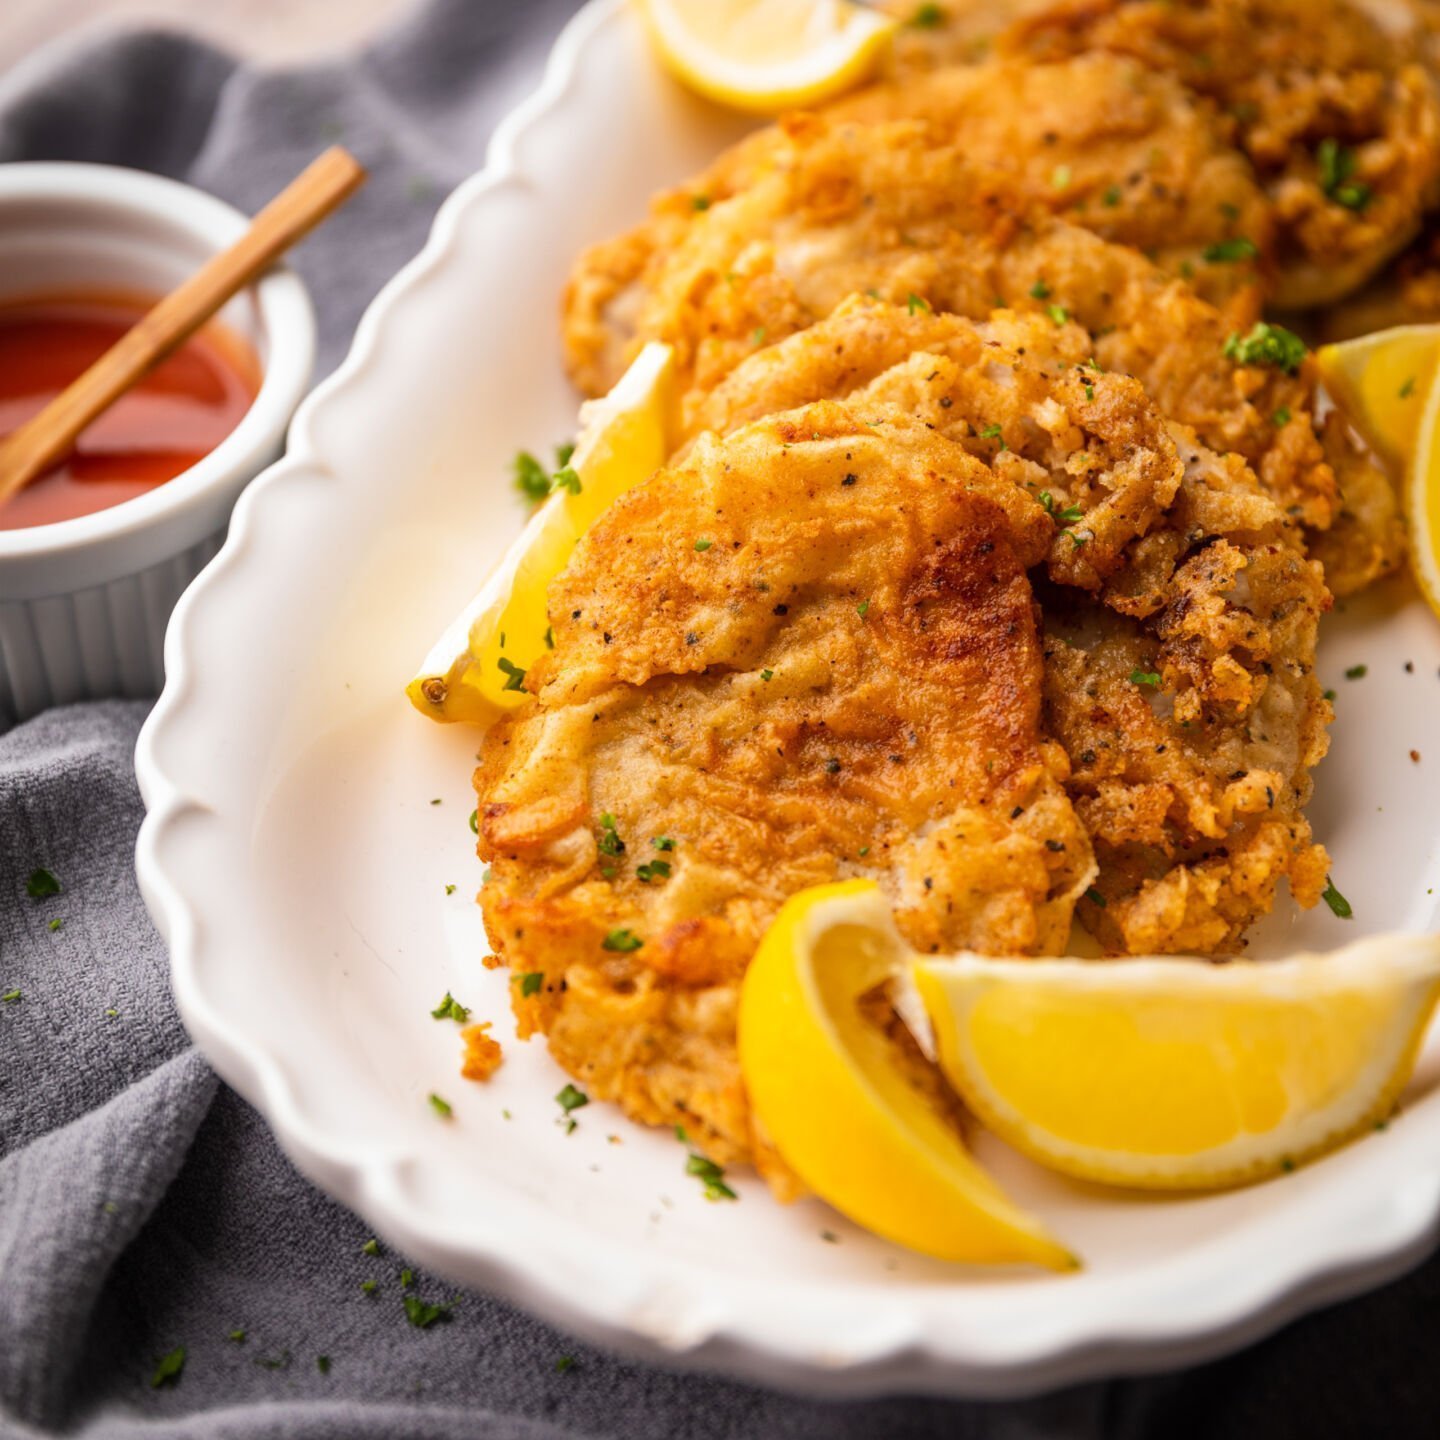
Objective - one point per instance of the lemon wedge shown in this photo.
(825, 1089)
(1388, 385)
(1170, 1073)
(764, 56)
(476, 668)
(1382, 382)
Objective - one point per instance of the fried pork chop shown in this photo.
(1334, 111)
(1199, 583)
(808, 651)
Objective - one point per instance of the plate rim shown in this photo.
(1399, 1227)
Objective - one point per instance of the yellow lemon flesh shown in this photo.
(828, 1094)
(1388, 385)
(474, 671)
(1171, 1073)
(767, 55)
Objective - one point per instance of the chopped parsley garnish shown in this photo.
(1069, 515)
(913, 303)
(372, 1246)
(422, 1314)
(1095, 897)
(449, 889)
(443, 1108)
(1335, 900)
(1144, 677)
(40, 884)
(702, 545)
(1328, 694)
(564, 1364)
(531, 982)
(238, 1336)
(56, 923)
(1337, 164)
(711, 1176)
(663, 842)
(549, 637)
(1407, 389)
(622, 940)
(1039, 291)
(566, 479)
(451, 1009)
(1226, 252)
(1357, 672)
(1266, 344)
(609, 842)
(1079, 537)
(1111, 196)
(572, 1099)
(530, 477)
(767, 675)
(563, 453)
(863, 609)
(1281, 417)
(653, 870)
(474, 822)
(515, 675)
(10, 997)
(699, 202)
(1089, 391)
(167, 1370)
(1058, 313)
(407, 1279)
(990, 432)
(1060, 177)
(927, 17)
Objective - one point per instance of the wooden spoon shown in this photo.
(322, 187)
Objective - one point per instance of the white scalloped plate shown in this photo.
(296, 865)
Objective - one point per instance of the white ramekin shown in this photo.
(84, 603)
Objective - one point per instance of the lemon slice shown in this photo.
(767, 55)
(476, 668)
(1388, 385)
(1178, 1074)
(827, 1093)
(1382, 382)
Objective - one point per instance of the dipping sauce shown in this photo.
(174, 417)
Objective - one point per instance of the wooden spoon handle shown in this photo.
(318, 190)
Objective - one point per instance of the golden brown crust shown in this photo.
(843, 680)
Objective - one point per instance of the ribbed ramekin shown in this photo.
(84, 603)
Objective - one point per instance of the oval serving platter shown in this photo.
(297, 863)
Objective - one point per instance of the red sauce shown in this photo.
(174, 417)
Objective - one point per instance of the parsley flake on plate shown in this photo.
(570, 1099)
(450, 1009)
(530, 478)
(371, 1246)
(711, 1176)
(1357, 672)
(1336, 901)
(443, 1108)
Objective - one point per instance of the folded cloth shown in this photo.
(164, 1271)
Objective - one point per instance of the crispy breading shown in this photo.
(806, 652)
(1336, 114)
(1192, 736)
(1213, 655)
(846, 209)
(1109, 145)
(1085, 446)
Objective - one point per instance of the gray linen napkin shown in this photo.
(144, 1206)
